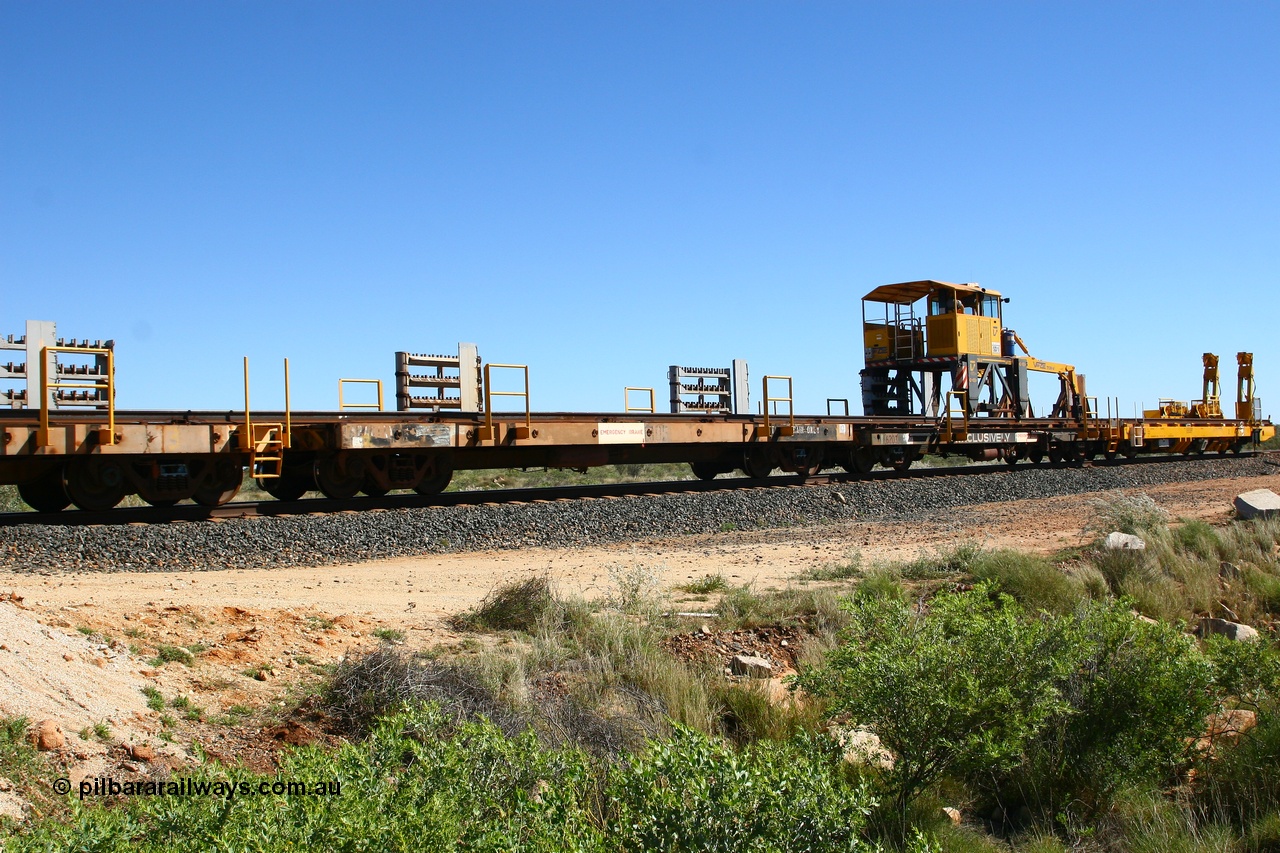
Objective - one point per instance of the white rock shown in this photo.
(1260, 503)
(1230, 630)
(862, 747)
(750, 665)
(1117, 541)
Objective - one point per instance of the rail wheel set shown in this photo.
(943, 375)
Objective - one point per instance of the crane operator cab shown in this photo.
(959, 319)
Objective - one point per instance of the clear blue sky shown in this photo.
(602, 189)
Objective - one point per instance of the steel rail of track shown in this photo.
(549, 494)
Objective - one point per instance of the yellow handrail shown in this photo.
(790, 429)
(344, 406)
(486, 432)
(97, 383)
(626, 400)
(248, 419)
(963, 411)
(288, 414)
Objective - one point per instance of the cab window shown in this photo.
(969, 304)
(991, 306)
(942, 302)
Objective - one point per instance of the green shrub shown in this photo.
(421, 782)
(519, 606)
(881, 583)
(705, 584)
(1197, 538)
(960, 690)
(1144, 821)
(1241, 785)
(1032, 580)
(1134, 696)
(1135, 514)
(168, 654)
(753, 712)
(690, 793)
(956, 559)
(1246, 674)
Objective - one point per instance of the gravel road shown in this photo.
(355, 537)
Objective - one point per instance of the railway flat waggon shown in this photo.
(943, 375)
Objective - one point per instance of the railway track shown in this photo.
(145, 515)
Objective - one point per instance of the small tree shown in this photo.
(960, 689)
(1136, 697)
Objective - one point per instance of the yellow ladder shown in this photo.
(265, 444)
(950, 433)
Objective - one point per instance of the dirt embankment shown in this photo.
(80, 649)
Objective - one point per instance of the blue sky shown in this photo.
(602, 189)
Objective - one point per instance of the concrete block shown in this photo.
(1260, 503)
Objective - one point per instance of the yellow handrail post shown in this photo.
(342, 406)
(106, 384)
(288, 416)
(766, 430)
(247, 440)
(486, 432)
(626, 400)
(951, 412)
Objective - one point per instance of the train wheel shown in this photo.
(286, 487)
(1036, 457)
(705, 469)
(757, 463)
(94, 484)
(372, 489)
(859, 461)
(45, 494)
(807, 466)
(1011, 457)
(437, 477)
(899, 459)
(333, 480)
(219, 485)
(1110, 455)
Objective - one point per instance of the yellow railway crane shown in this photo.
(922, 336)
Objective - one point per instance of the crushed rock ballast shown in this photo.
(307, 540)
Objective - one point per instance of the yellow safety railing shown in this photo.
(344, 406)
(765, 430)
(87, 383)
(950, 432)
(266, 442)
(626, 401)
(288, 416)
(486, 432)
